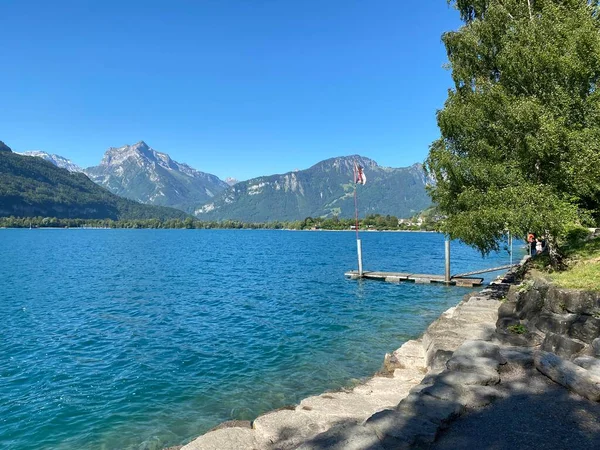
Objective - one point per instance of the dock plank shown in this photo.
(422, 278)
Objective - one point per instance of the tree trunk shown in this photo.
(554, 253)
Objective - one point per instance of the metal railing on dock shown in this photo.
(493, 269)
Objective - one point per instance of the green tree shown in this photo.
(520, 131)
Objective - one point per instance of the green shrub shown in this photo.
(525, 286)
(518, 328)
(576, 235)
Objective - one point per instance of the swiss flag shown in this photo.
(359, 174)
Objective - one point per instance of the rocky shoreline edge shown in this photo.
(454, 367)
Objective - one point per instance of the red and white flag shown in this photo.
(359, 174)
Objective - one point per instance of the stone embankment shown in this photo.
(566, 325)
(458, 365)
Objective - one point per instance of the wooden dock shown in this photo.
(397, 277)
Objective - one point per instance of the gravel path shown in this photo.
(535, 414)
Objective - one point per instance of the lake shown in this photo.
(141, 339)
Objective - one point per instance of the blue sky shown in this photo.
(236, 88)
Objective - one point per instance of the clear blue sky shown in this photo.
(237, 88)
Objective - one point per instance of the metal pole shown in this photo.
(359, 249)
(510, 240)
(447, 248)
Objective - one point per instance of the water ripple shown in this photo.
(140, 339)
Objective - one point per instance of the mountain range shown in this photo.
(36, 187)
(325, 189)
(140, 173)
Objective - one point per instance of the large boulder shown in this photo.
(560, 301)
(562, 345)
(549, 322)
(585, 328)
(530, 303)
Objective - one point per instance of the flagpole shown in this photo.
(358, 242)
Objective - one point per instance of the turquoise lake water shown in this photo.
(141, 339)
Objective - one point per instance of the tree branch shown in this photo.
(506, 10)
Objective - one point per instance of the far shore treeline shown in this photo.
(371, 222)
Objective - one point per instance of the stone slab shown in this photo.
(479, 349)
(285, 429)
(344, 436)
(339, 405)
(398, 430)
(225, 439)
(518, 356)
(473, 364)
(464, 378)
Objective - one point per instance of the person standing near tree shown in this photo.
(539, 246)
(531, 242)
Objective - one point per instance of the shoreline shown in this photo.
(203, 229)
(474, 317)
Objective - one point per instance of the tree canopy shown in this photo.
(520, 130)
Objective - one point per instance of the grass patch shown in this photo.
(583, 249)
(583, 275)
(583, 262)
(518, 328)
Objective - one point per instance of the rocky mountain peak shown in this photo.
(57, 160)
(362, 160)
(141, 145)
(141, 173)
(345, 164)
(116, 156)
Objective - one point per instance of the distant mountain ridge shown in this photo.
(140, 173)
(57, 160)
(35, 187)
(325, 189)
